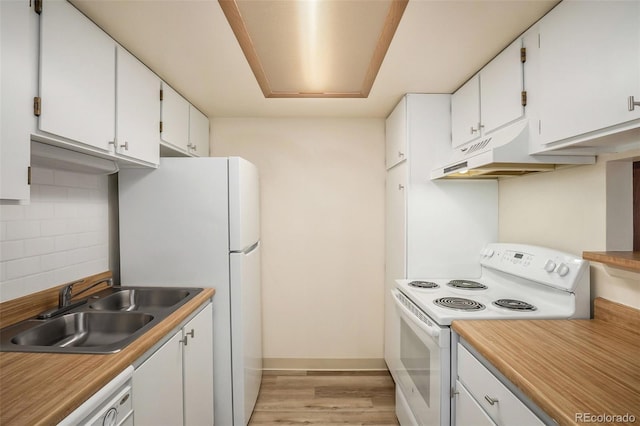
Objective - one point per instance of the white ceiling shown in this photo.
(437, 47)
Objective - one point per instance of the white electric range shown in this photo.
(516, 282)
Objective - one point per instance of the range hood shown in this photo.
(504, 152)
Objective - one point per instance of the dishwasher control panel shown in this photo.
(115, 411)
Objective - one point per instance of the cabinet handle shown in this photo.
(125, 146)
(473, 130)
(490, 400)
(400, 186)
(192, 333)
(633, 103)
(400, 154)
(185, 340)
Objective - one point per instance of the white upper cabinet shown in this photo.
(18, 87)
(490, 99)
(465, 112)
(137, 110)
(77, 77)
(175, 120)
(396, 134)
(198, 133)
(589, 67)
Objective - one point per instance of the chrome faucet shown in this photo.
(65, 295)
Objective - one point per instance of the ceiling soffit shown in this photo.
(314, 48)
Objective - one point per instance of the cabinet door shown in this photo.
(396, 134)
(198, 369)
(501, 85)
(157, 386)
(589, 66)
(77, 77)
(465, 112)
(198, 133)
(395, 257)
(467, 410)
(18, 86)
(175, 119)
(138, 109)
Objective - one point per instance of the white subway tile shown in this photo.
(75, 180)
(10, 250)
(11, 212)
(41, 175)
(38, 246)
(52, 193)
(22, 267)
(66, 242)
(39, 210)
(54, 261)
(22, 230)
(11, 289)
(53, 227)
(65, 210)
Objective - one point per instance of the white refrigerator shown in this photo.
(195, 222)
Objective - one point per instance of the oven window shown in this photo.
(416, 358)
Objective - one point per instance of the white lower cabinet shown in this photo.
(482, 397)
(174, 386)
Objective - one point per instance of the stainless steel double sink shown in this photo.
(106, 323)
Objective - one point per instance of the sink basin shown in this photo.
(141, 299)
(104, 323)
(84, 329)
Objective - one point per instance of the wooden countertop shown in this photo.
(43, 388)
(567, 366)
(629, 260)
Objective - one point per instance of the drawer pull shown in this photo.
(490, 400)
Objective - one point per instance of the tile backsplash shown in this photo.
(62, 235)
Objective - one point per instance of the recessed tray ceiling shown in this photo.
(314, 48)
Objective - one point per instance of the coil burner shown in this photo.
(514, 305)
(423, 284)
(466, 285)
(459, 303)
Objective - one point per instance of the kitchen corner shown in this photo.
(576, 371)
(43, 388)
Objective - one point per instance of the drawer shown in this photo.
(468, 411)
(500, 403)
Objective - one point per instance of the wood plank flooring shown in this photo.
(364, 398)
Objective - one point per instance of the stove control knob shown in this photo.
(550, 265)
(562, 270)
(488, 252)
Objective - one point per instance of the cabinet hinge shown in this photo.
(161, 127)
(37, 6)
(28, 175)
(523, 55)
(161, 95)
(37, 106)
(523, 98)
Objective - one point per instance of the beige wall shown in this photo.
(569, 209)
(322, 210)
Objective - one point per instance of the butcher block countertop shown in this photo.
(568, 367)
(43, 388)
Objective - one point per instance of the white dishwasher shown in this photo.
(110, 406)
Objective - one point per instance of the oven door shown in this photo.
(423, 375)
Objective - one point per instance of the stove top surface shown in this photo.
(486, 298)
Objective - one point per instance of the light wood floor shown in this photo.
(325, 398)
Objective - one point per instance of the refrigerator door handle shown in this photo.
(248, 249)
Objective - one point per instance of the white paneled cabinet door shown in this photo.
(157, 386)
(396, 134)
(18, 86)
(198, 369)
(137, 110)
(395, 255)
(589, 67)
(77, 77)
(175, 119)
(465, 112)
(501, 86)
(198, 133)
(467, 410)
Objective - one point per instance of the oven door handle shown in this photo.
(427, 326)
